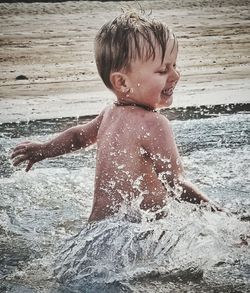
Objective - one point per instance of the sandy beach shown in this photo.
(47, 62)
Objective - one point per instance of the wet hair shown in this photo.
(126, 38)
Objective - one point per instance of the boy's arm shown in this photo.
(161, 147)
(70, 140)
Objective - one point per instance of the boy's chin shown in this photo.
(165, 102)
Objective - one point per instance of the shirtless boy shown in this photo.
(136, 150)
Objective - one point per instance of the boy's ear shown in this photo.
(118, 81)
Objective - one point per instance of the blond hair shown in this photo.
(126, 38)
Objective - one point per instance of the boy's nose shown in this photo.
(174, 75)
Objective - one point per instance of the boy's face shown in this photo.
(152, 82)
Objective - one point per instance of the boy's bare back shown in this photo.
(124, 169)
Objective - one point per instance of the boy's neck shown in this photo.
(147, 108)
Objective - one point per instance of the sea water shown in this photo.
(46, 244)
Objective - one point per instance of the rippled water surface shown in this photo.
(43, 217)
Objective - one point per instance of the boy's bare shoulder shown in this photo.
(158, 131)
(156, 121)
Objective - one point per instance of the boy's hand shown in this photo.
(27, 151)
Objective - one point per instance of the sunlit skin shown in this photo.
(136, 149)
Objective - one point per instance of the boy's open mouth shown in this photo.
(167, 92)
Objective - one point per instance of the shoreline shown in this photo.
(174, 113)
(73, 113)
(26, 108)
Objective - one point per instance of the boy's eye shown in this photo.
(165, 71)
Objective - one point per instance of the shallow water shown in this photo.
(192, 250)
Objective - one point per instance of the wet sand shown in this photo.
(51, 44)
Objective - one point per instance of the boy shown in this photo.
(136, 150)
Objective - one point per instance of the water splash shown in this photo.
(189, 243)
